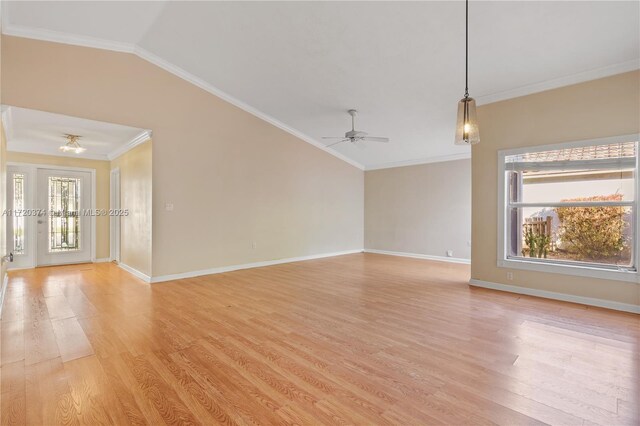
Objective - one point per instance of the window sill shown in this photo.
(579, 271)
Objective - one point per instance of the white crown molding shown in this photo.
(59, 37)
(560, 82)
(84, 155)
(8, 128)
(420, 256)
(65, 38)
(139, 139)
(220, 270)
(7, 123)
(428, 160)
(601, 303)
(196, 81)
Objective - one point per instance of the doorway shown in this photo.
(52, 219)
(82, 220)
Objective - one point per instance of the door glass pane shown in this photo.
(18, 213)
(64, 218)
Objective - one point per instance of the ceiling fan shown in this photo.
(354, 135)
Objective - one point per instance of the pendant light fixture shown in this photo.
(72, 144)
(467, 132)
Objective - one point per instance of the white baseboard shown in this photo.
(5, 282)
(222, 269)
(420, 256)
(601, 303)
(144, 277)
(20, 268)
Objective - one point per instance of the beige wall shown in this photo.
(422, 209)
(233, 178)
(136, 197)
(102, 188)
(599, 108)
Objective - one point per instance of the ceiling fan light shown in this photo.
(467, 131)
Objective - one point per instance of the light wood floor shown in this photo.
(359, 339)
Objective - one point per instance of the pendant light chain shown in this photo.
(466, 52)
(467, 132)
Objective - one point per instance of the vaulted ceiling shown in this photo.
(401, 64)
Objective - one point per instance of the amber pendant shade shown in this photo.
(467, 132)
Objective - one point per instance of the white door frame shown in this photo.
(115, 220)
(33, 169)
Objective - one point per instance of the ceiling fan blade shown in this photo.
(375, 139)
(333, 137)
(336, 143)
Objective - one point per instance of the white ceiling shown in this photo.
(301, 65)
(42, 132)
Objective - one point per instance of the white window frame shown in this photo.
(590, 271)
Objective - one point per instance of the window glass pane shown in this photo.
(602, 235)
(18, 214)
(615, 151)
(64, 220)
(570, 174)
(541, 187)
(599, 234)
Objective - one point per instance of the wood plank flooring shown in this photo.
(359, 339)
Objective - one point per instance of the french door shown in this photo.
(49, 216)
(63, 225)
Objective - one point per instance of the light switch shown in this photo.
(168, 207)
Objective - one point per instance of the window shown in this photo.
(18, 214)
(571, 207)
(64, 219)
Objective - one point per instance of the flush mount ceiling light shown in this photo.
(72, 144)
(467, 132)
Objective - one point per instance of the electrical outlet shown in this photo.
(510, 276)
(449, 253)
